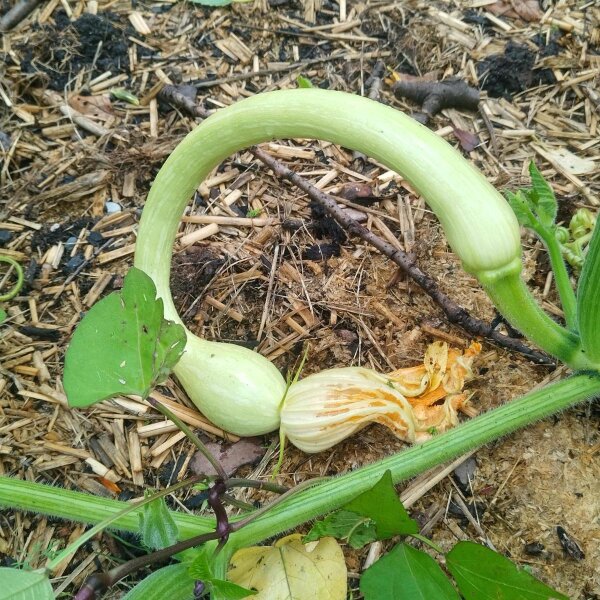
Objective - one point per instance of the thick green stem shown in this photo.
(331, 494)
(515, 302)
(85, 508)
(334, 493)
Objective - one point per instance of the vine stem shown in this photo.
(127, 509)
(332, 494)
(200, 445)
(561, 276)
(16, 288)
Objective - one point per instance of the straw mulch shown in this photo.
(280, 281)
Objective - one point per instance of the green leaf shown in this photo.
(172, 582)
(406, 573)
(225, 590)
(304, 82)
(520, 206)
(482, 574)
(123, 345)
(24, 585)
(588, 299)
(356, 530)
(382, 505)
(543, 197)
(157, 525)
(3, 315)
(200, 569)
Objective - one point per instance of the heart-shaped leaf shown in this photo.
(406, 574)
(482, 574)
(123, 345)
(382, 505)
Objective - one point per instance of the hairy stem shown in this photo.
(332, 494)
(526, 316)
(88, 535)
(561, 277)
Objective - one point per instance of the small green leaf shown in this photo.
(520, 206)
(123, 345)
(24, 585)
(543, 197)
(157, 525)
(588, 299)
(354, 529)
(226, 590)
(482, 574)
(382, 505)
(304, 82)
(3, 315)
(200, 569)
(125, 95)
(406, 573)
(172, 582)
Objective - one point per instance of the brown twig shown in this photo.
(437, 95)
(171, 95)
(17, 13)
(455, 313)
(434, 96)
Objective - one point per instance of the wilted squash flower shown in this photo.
(414, 403)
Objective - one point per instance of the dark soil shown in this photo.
(507, 74)
(97, 43)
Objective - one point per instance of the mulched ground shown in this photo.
(77, 163)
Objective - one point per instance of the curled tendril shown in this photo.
(582, 223)
(20, 278)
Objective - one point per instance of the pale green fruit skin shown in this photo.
(235, 388)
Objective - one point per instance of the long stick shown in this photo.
(455, 313)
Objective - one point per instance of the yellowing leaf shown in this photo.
(291, 570)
